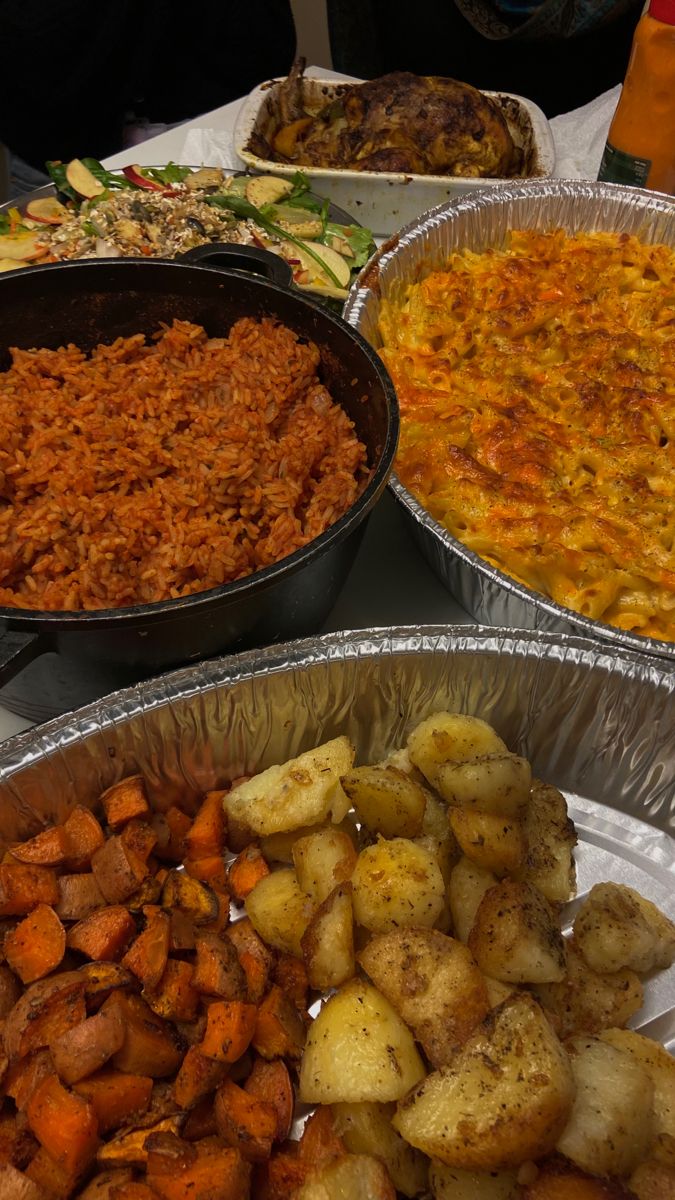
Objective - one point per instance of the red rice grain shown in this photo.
(150, 470)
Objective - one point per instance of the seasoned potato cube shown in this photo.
(366, 1128)
(558, 1179)
(386, 800)
(551, 838)
(278, 847)
(515, 936)
(612, 1120)
(616, 927)
(586, 1002)
(358, 1048)
(653, 1180)
(493, 783)
(468, 884)
(451, 1183)
(302, 791)
(397, 883)
(450, 737)
(433, 982)
(505, 1097)
(497, 991)
(491, 842)
(279, 911)
(322, 860)
(660, 1067)
(328, 941)
(352, 1175)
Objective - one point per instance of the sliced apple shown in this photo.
(21, 247)
(135, 175)
(82, 181)
(47, 211)
(334, 261)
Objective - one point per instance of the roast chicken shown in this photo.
(400, 122)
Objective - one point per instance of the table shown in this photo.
(390, 582)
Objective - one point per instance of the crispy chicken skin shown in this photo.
(415, 124)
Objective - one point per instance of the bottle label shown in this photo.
(619, 167)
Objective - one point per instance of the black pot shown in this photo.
(59, 660)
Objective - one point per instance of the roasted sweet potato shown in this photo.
(181, 933)
(37, 945)
(83, 835)
(87, 1047)
(47, 1009)
(255, 957)
(279, 1029)
(171, 828)
(128, 1148)
(25, 1074)
(174, 997)
(117, 870)
(102, 978)
(14, 1185)
(116, 1097)
(206, 835)
(200, 1122)
(79, 896)
(102, 1185)
(211, 870)
(220, 1174)
(17, 1144)
(151, 1046)
(270, 1081)
(195, 899)
(133, 1190)
(65, 1124)
(230, 1025)
(147, 956)
(10, 990)
(218, 971)
(245, 1121)
(247, 869)
(23, 887)
(47, 849)
(198, 1076)
(139, 837)
(104, 934)
(290, 974)
(320, 1142)
(50, 1175)
(124, 801)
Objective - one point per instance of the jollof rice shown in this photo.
(150, 470)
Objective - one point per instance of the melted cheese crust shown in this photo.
(537, 393)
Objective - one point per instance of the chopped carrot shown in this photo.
(140, 837)
(218, 971)
(271, 1081)
(37, 945)
(254, 956)
(86, 1048)
(220, 1174)
(230, 1025)
(290, 974)
(248, 868)
(279, 1030)
(83, 835)
(197, 1077)
(103, 935)
(245, 1122)
(115, 1097)
(64, 1124)
(47, 849)
(124, 801)
(171, 828)
(174, 997)
(206, 835)
(23, 887)
(148, 954)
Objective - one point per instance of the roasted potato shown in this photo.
(515, 936)
(278, 847)
(468, 884)
(491, 783)
(322, 860)
(366, 1128)
(616, 927)
(612, 1123)
(504, 1099)
(397, 882)
(303, 791)
(653, 1180)
(386, 800)
(451, 1183)
(450, 738)
(660, 1067)
(433, 982)
(280, 911)
(358, 1048)
(491, 842)
(352, 1175)
(584, 1001)
(328, 941)
(551, 838)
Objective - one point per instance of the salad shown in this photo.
(165, 211)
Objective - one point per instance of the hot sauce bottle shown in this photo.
(640, 147)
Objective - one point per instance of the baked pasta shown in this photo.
(537, 392)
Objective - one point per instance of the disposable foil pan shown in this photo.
(596, 721)
(478, 222)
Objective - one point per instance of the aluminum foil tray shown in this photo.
(479, 222)
(596, 721)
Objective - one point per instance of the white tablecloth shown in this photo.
(390, 583)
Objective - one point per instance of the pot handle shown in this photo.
(228, 256)
(17, 650)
